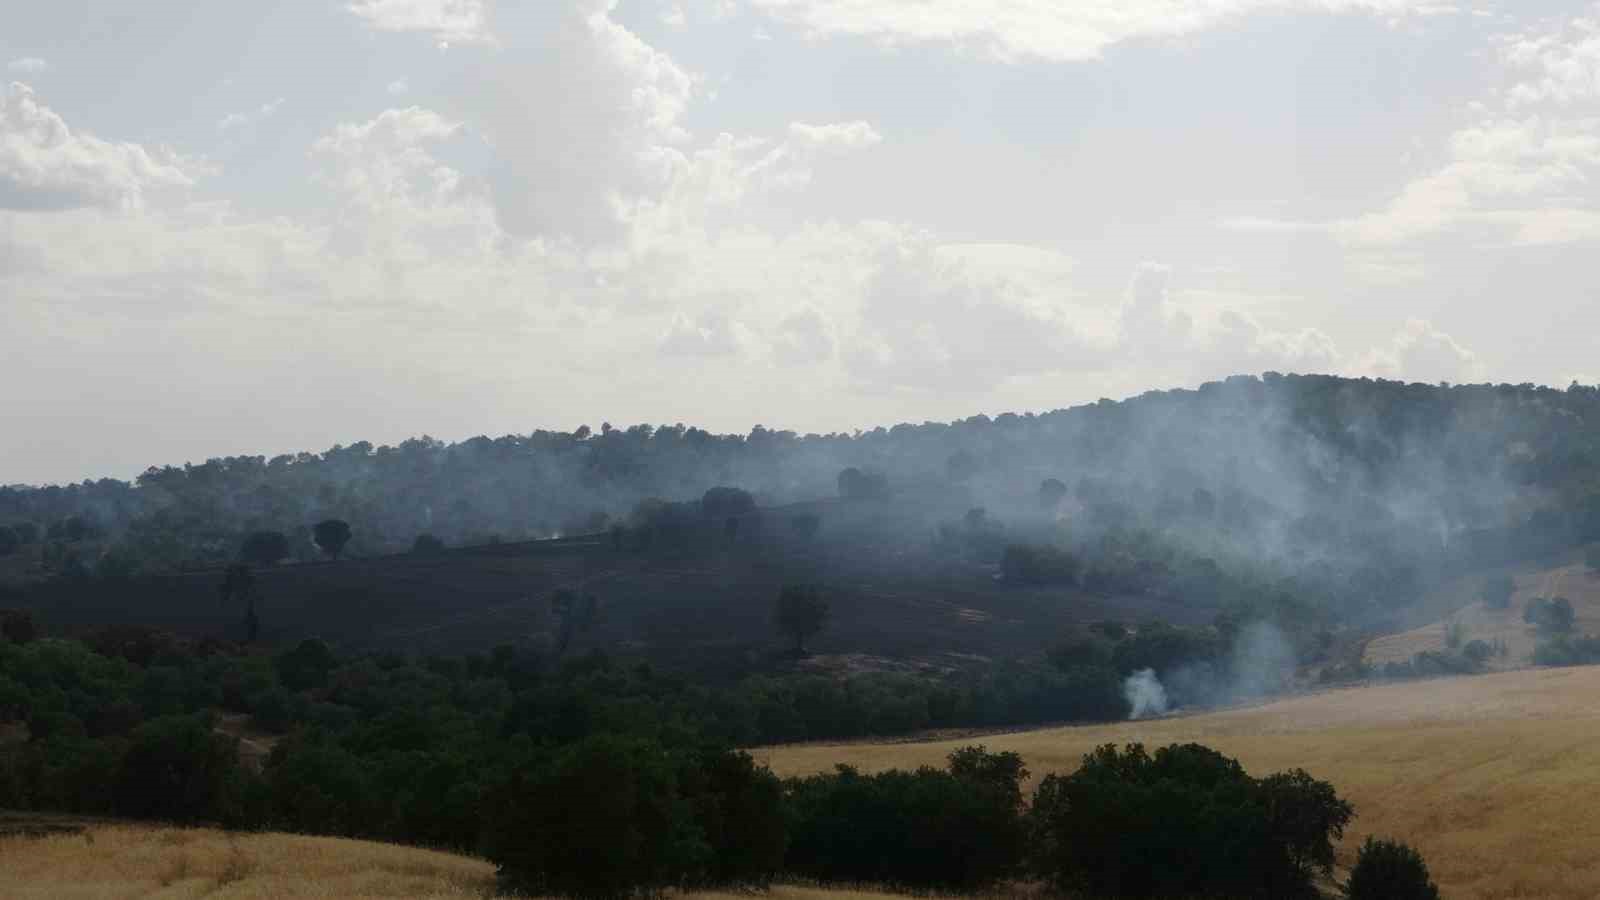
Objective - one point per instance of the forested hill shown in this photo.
(1321, 454)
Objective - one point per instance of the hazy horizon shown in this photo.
(234, 229)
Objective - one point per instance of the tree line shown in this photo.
(594, 780)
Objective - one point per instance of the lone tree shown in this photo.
(331, 535)
(801, 613)
(264, 548)
(1390, 870)
(575, 615)
(427, 545)
(239, 586)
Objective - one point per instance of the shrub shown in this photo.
(177, 769)
(1185, 822)
(1477, 652)
(1390, 870)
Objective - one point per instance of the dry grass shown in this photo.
(1572, 580)
(1496, 778)
(124, 861)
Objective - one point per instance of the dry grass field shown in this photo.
(122, 862)
(1495, 778)
(1573, 580)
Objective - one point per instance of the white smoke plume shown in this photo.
(1146, 696)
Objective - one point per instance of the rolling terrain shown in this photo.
(1492, 778)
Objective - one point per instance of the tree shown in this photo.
(1183, 822)
(9, 540)
(1552, 616)
(27, 532)
(331, 535)
(603, 819)
(427, 545)
(723, 502)
(264, 548)
(16, 625)
(574, 614)
(854, 484)
(1390, 870)
(1051, 492)
(801, 613)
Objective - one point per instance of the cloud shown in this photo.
(803, 338)
(583, 119)
(249, 118)
(27, 65)
(446, 21)
(45, 165)
(711, 334)
(1421, 352)
(846, 135)
(1021, 30)
(1560, 66)
(397, 87)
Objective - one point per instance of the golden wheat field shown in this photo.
(1496, 778)
(122, 862)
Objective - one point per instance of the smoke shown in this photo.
(1146, 696)
(1260, 663)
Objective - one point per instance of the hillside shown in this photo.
(1491, 777)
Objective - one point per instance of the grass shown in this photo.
(1496, 779)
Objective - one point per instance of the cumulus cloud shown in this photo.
(46, 165)
(583, 118)
(1561, 65)
(27, 65)
(1421, 352)
(1020, 30)
(447, 21)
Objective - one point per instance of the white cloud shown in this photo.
(1421, 352)
(397, 87)
(46, 165)
(249, 118)
(1013, 30)
(27, 65)
(446, 21)
(845, 135)
(1560, 66)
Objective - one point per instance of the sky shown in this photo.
(234, 227)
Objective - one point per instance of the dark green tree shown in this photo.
(1390, 870)
(1051, 492)
(264, 548)
(331, 535)
(801, 612)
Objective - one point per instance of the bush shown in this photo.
(1186, 822)
(1390, 870)
(960, 828)
(1549, 615)
(177, 769)
(1477, 652)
